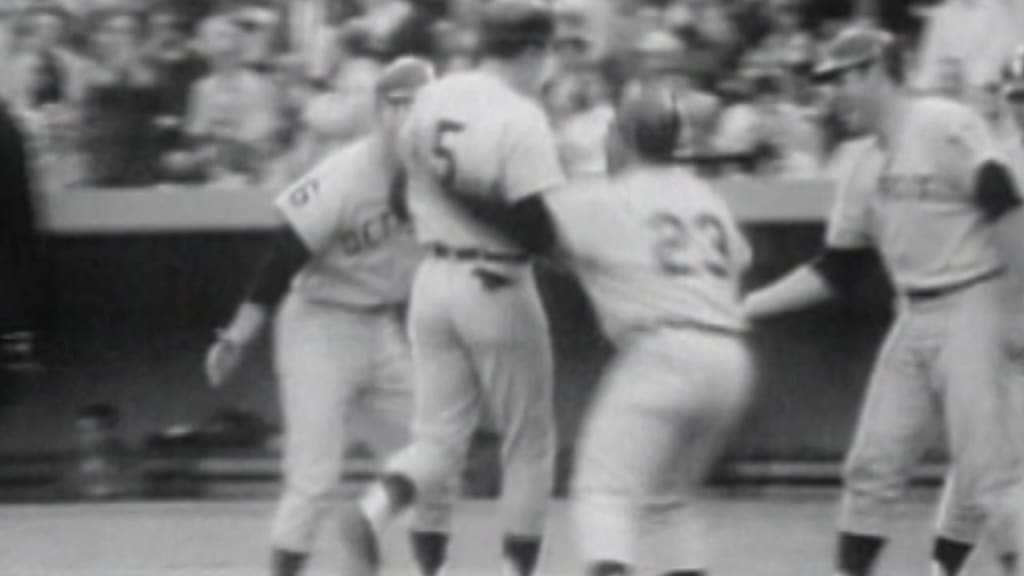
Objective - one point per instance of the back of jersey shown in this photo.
(471, 133)
(654, 247)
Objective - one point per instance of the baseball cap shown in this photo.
(853, 47)
(401, 79)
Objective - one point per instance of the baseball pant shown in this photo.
(663, 412)
(945, 360)
(343, 373)
(480, 342)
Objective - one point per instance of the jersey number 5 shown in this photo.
(443, 151)
(684, 248)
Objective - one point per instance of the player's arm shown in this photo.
(527, 222)
(531, 167)
(969, 152)
(999, 199)
(840, 266)
(312, 209)
(833, 273)
(285, 257)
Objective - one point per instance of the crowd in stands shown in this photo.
(136, 93)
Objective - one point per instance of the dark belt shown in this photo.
(924, 294)
(475, 254)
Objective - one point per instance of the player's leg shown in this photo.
(716, 377)
(446, 410)
(605, 490)
(895, 427)
(317, 387)
(950, 553)
(507, 331)
(979, 412)
(390, 402)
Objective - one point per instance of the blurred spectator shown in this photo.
(46, 87)
(121, 106)
(45, 71)
(965, 43)
(787, 42)
(702, 111)
(763, 123)
(103, 467)
(581, 111)
(176, 67)
(260, 27)
(232, 114)
(329, 122)
(458, 47)
(659, 54)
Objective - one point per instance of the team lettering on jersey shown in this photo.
(913, 188)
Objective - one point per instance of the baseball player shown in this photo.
(661, 257)
(929, 191)
(340, 351)
(478, 330)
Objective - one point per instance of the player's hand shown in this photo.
(223, 359)
(228, 350)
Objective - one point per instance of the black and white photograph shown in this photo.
(511, 287)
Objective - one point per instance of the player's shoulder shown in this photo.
(351, 156)
(337, 167)
(479, 90)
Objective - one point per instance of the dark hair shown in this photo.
(511, 28)
(106, 415)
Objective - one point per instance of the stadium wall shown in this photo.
(140, 278)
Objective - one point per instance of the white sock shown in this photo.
(377, 508)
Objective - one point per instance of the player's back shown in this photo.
(471, 132)
(656, 246)
(362, 254)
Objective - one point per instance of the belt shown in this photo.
(925, 294)
(471, 254)
(693, 325)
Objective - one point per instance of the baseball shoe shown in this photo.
(359, 550)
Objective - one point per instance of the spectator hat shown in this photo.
(852, 48)
(1012, 81)
(401, 79)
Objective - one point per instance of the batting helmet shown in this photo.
(651, 118)
(856, 47)
(1012, 80)
(509, 27)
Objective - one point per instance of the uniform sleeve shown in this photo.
(314, 205)
(532, 164)
(962, 144)
(576, 212)
(849, 223)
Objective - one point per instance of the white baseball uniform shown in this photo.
(661, 257)
(478, 329)
(945, 359)
(340, 349)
